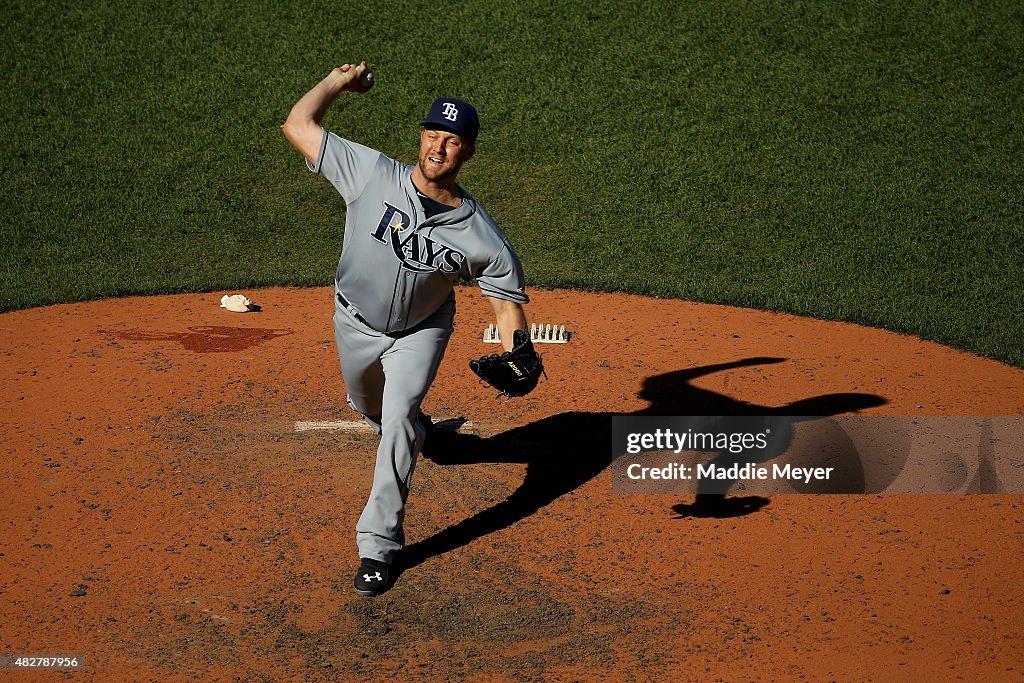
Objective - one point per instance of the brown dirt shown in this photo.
(163, 518)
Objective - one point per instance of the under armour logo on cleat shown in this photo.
(376, 575)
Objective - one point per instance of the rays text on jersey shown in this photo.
(416, 252)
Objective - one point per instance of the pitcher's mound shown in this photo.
(164, 518)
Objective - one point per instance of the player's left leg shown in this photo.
(360, 349)
(410, 366)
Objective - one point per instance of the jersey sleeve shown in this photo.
(346, 164)
(503, 277)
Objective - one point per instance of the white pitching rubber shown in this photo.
(462, 426)
(539, 334)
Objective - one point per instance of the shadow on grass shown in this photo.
(562, 452)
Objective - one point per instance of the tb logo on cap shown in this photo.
(454, 115)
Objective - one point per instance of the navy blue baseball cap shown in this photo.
(454, 116)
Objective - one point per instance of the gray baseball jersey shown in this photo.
(397, 266)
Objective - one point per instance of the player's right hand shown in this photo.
(352, 74)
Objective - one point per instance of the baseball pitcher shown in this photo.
(411, 231)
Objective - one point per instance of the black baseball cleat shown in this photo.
(373, 577)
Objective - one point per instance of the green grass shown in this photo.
(849, 161)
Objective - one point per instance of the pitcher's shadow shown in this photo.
(564, 451)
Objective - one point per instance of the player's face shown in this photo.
(442, 154)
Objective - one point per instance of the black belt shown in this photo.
(348, 307)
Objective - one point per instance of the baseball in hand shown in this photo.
(366, 80)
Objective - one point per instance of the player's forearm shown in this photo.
(312, 107)
(510, 317)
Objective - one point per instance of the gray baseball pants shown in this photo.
(387, 376)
